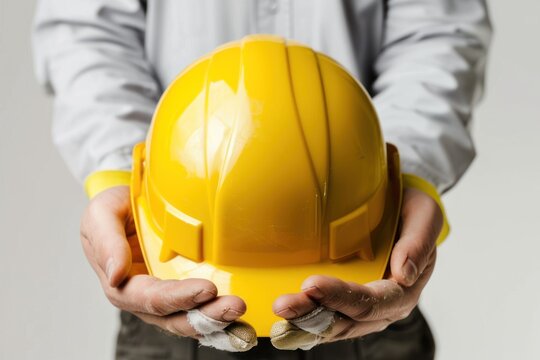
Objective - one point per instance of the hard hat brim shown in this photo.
(259, 287)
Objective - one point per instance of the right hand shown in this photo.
(110, 243)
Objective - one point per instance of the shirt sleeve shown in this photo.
(430, 74)
(90, 55)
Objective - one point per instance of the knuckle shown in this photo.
(403, 314)
(84, 230)
(85, 239)
(332, 299)
(347, 333)
(374, 311)
(364, 307)
(84, 234)
(395, 293)
(368, 313)
(154, 304)
(93, 210)
(383, 325)
(415, 300)
(404, 308)
(183, 303)
(427, 248)
(110, 293)
(422, 252)
(434, 230)
(169, 302)
(410, 301)
(174, 327)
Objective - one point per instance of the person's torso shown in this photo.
(179, 32)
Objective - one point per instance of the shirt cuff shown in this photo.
(105, 179)
(416, 182)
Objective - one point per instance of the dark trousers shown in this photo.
(406, 339)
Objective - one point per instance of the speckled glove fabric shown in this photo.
(234, 337)
(303, 332)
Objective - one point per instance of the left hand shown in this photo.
(349, 310)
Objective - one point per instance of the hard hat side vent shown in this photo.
(183, 235)
(350, 235)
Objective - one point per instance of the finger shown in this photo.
(224, 308)
(377, 300)
(413, 292)
(284, 335)
(421, 223)
(292, 306)
(242, 336)
(215, 316)
(389, 301)
(236, 337)
(175, 324)
(149, 295)
(103, 235)
(223, 335)
(303, 332)
(292, 335)
(346, 328)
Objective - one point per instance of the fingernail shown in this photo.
(287, 313)
(410, 271)
(109, 268)
(314, 292)
(203, 296)
(230, 315)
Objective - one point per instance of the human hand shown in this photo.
(188, 307)
(329, 309)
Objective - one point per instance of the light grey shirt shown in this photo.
(108, 61)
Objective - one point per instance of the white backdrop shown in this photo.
(483, 301)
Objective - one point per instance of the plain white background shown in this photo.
(483, 301)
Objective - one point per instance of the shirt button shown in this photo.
(273, 6)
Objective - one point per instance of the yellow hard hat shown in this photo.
(265, 164)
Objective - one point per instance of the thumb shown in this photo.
(421, 223)
(103, 235)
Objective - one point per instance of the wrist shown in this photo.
(416, 182)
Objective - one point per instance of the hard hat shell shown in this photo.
(265, 164)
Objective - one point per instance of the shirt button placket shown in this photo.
(266, 15)
(284, 18)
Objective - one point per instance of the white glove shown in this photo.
(303, 332)
(235, 337)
